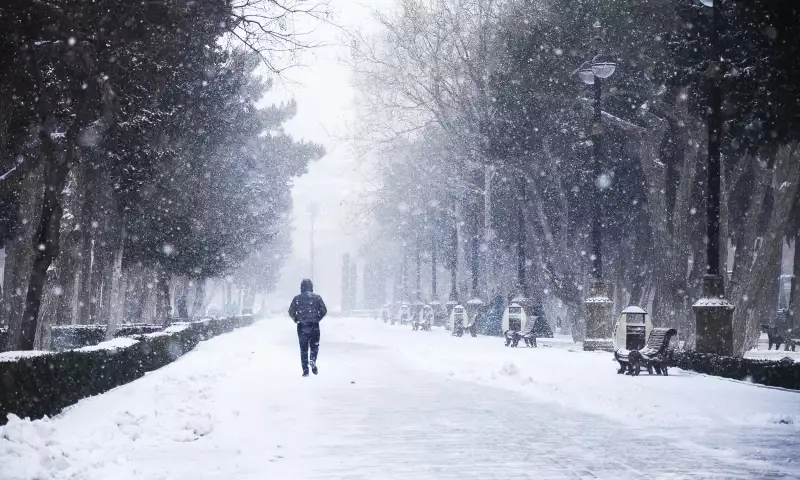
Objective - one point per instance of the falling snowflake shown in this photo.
(603, 182)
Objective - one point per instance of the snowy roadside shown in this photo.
(171, 404)
(586, 381)
(383, 407)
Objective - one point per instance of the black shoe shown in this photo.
(314, 370)
(305, 374)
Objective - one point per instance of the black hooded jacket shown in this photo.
(307, 307)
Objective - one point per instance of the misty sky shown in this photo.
(322, 89)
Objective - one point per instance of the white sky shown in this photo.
(322, 89)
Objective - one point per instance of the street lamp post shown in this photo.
(475, 304)
(713, 313)
(313, 210)
(520, 297)
(522, 257)
(452, 301)
(598, 305)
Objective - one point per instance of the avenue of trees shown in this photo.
(475, 111)
(136, 163)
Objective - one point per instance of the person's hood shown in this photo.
(306, 286)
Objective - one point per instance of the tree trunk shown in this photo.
(104, 310)
(48, 232)
(146, 306)
(207, 297)
(576, 323)
(248, 301)
(181, 297)
(794, 288)
(69, 257)
(47, 314)
(761, 238)
(199, 298)
(68, 273)
(88, 252)
(100, 263)
(162, 314)
(135, 294)
(488, 234)
(117, 289)
(19, 255)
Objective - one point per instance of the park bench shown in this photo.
(514, 333)
(459, 329)
(654, 355)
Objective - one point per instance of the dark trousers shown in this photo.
(308, 334)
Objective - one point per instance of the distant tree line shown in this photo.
(489, 117)
(136, 161)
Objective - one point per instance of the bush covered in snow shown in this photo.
(68, 337)
(40, 386)
(781, 373)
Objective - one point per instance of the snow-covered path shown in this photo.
(394, 404)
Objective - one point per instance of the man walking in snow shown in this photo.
(307, 310)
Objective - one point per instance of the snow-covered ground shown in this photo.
(395, 404)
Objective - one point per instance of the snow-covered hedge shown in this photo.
(68, 337)
(782, 373)
(42, 385)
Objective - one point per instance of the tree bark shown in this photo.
(162, 315)
(248, 301)
(135, 294)
(181, 297)
(67, 280)
(199, 298)
(756, 270)
(88, 252)
(47, 237)
(149, 298)
(794, 292)
(47, 315)
(19, 255)
(207, 297)
(117, 288)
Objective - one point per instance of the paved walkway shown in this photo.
(237, 409)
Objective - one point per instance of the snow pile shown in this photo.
(28, 451)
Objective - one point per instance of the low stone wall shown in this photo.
(782, 373)
(38, 384)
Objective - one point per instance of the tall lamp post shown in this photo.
(713, 313)
(452, 300)
(598, 318)
(313, 210)
(475, 305)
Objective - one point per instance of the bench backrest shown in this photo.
(530, 325)
(659, 340)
